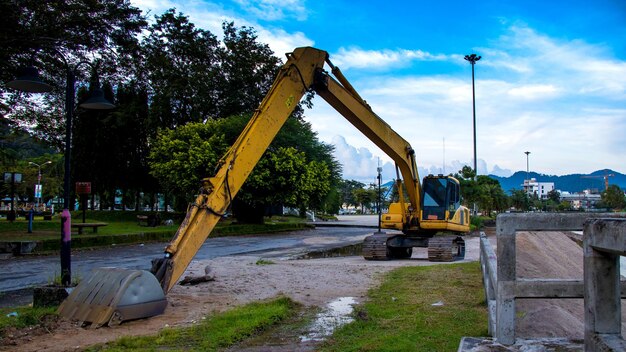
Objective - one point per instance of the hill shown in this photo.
(570, 183)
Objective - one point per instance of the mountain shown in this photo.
(571, 183)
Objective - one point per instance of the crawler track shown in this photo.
(446, 249)
(375, 247)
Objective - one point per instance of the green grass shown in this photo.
(122, 228)
(26, 316)
(399, 315)
(215, 332)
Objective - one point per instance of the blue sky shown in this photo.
(552, 78)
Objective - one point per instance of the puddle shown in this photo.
(345, 251)
(336, 314)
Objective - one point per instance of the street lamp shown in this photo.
(472, 60)
(33, 84)
(527, 172)
(379, 177)
(38, 189)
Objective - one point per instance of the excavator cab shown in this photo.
(441, 205)
(441, 197)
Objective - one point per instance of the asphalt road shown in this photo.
(18, 273)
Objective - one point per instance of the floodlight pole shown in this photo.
(472, 59)
(527, 173)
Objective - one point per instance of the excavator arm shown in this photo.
(294, 79)
(303, 70)
(114, 295)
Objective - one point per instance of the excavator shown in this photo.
(112, 295)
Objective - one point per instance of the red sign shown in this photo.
(83, 187)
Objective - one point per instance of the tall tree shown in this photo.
(614, 198)
(249, 68)
(520, 199)
(45, 33)
(347, 188)
(183, 70)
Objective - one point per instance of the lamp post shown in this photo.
(12, 178)
(472, 59)
(31, 83)
(527, 174)
(38, 189)
(379, 177)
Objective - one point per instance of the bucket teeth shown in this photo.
(113, 295)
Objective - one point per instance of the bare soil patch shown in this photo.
(550, 255)
(238, 280)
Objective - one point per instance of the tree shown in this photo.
(182, 70)
(554, 195)
(520, 199)
(347, 188)
(181, 157)
(35, 32)
(469, 187)
(287, 175)
(284, 177)
(365, 197)
(490, 195)
(248, 68)
(613, 198)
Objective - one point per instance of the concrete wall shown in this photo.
(508, 287)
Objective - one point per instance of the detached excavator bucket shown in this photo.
(112, 295)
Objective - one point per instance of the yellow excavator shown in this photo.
(112, 295)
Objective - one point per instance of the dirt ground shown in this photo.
(238, 280)
(316, 282)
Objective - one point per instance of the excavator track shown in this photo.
(375, 247)
(446, 249)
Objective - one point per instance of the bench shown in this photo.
(142, 219)
(148, 220)
(94, 226)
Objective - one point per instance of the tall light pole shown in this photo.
(527, 172)
(31, 83)
(472, 59)
(38, 189)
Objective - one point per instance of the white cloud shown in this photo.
(534, 91)
(581, 67)
(282, 42)
(273, 10)
(354, 57)
(359, 163)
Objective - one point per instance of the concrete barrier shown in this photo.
(488, 264)
(508, 287)
(604, 241)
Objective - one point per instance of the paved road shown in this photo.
(23, 272)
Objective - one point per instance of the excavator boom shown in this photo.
(304, 70)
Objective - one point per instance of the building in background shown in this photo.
(540, 189)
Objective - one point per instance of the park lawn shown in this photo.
(51, 229)
(123, 228)
(400, 316)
